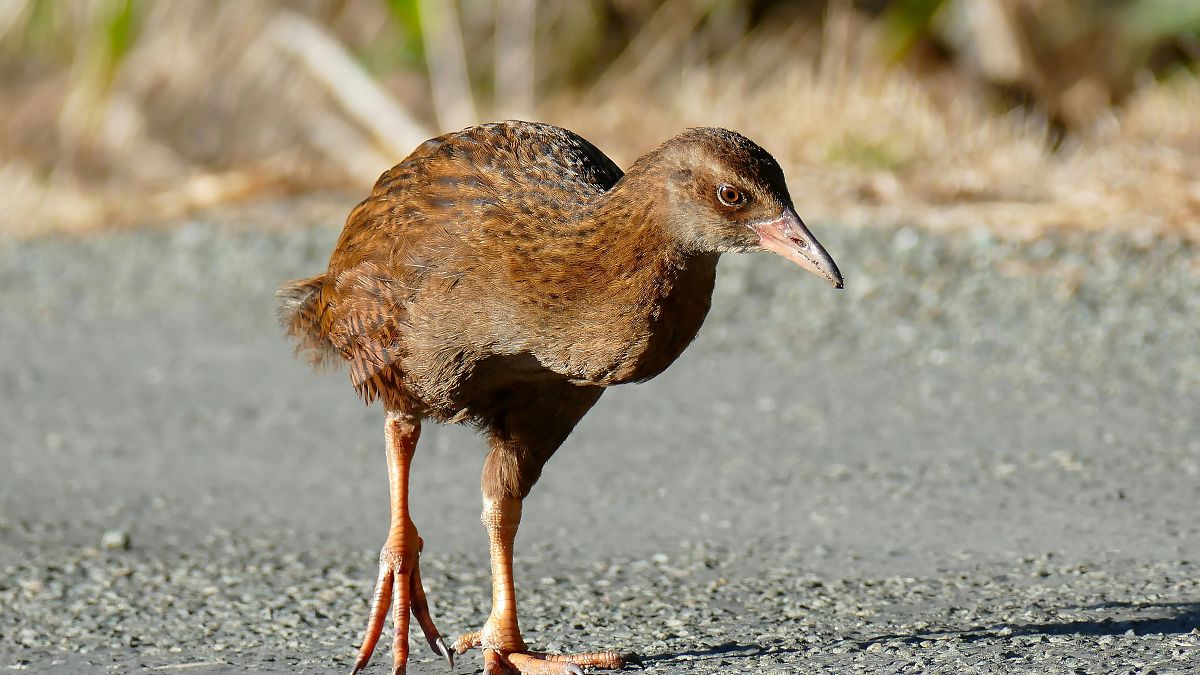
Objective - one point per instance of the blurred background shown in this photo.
(1019, 115)
(1002, 403)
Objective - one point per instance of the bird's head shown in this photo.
(727, 194)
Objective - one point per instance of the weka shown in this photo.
(505, 275)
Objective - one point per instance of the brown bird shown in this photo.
(505, 276)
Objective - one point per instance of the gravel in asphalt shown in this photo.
(981, 457)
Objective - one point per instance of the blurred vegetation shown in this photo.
(201, 101)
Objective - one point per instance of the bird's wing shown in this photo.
(368, 296)
(444, 215)
(578, 158)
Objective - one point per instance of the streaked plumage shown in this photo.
(506, 274)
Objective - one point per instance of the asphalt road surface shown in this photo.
(981, 457)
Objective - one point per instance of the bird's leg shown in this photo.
(504, 649)
(399, 582)
(501, 518)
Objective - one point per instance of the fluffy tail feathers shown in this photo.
(299, 308)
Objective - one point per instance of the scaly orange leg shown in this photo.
(398, 585)
(504, 651)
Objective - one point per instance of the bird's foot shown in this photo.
(398, 586)
(519, 661)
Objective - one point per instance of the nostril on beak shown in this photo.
(800, 243)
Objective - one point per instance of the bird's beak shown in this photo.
(787, 236)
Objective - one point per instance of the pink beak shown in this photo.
(787, 236)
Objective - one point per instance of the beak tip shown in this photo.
(834, 275)
(787, 236)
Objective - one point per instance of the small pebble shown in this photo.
(115, 540)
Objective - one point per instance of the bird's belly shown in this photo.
(469, 385)
(636, 344)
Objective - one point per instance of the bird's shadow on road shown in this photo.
(1174, 618)
(722, 651)
(1180, 618)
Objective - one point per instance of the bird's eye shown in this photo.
(730, 196)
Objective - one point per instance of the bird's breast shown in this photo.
(632, 340)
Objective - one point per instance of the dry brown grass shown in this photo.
(210, 109)
(862, 143)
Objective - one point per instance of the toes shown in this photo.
(381, 601)
(400, 609)
(494, 663)
(465, 642)
(528, 664)
(607, 660)
(420, 610)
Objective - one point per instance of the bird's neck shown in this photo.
(624, 286)
(635, 253)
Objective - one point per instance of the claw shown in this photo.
(446, 652)
(574, 669)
